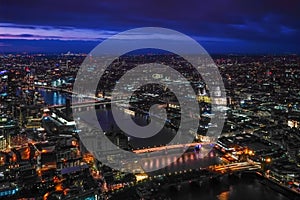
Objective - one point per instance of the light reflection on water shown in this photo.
(224, 195)
(53, 97)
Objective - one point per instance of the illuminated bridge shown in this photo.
(232, 167)
(169, 147)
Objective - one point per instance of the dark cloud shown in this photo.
(257, 21)
(29, 36)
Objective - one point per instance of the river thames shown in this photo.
(244, 188)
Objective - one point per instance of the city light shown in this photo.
(44, 145)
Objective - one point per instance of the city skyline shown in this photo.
(166, 100)
(259, 27)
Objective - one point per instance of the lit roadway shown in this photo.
(87, 103)
(235, 167)
(165, 148)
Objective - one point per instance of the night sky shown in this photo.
(220, 26)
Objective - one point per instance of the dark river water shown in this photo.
(248, 188)
(244, 188)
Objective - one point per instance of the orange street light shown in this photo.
(268, 160)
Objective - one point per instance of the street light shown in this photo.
(251, 152)
(268, 160)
